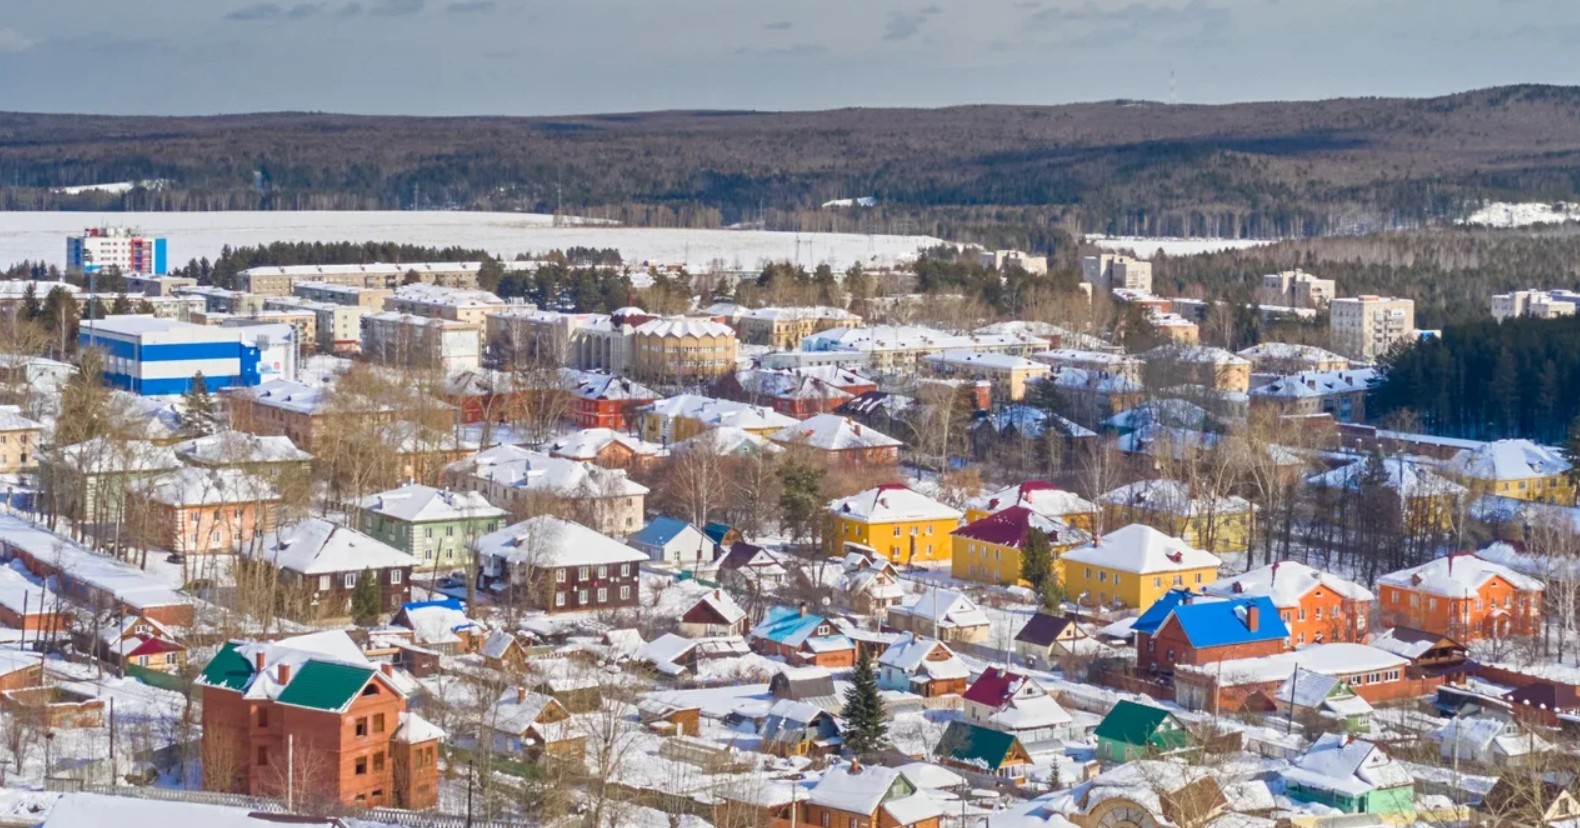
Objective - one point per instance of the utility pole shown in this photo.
(470, 770)
(290, 772)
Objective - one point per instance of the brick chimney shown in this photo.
(855, 766)
(387, 669)
(284, 671)
(521, 695)
(1252, 616)
(258, 659)
(802, 608)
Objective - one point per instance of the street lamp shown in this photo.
(49, 739)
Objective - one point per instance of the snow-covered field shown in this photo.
(1505, 214)
(1146, 248)
(42, 236)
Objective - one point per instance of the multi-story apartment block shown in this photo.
(682, 350)
(1006, 375)
(312, 715)
(342, 294)
(300, 412)
(1339, 394)
(1283, 358)
(434, 526)
(438, 302)
(1518, 469)
(1539, 304)
(1463, 597)
(903, 525)
(337, 328)
(18, 440)
(1366, 327)
(515, 478)
(401, 339)
(279, 281)
(889, 348)
(157, 284)
(100, 249)
(784, 328)
(1000, 259)
(1107, 271)
(1296, 289)
(1207, 367)
(202, 511)
(584, 341)
(684, 416)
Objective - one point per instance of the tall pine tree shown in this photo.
(1036, 560)
(365, 600)
(866, 722)
(198, 417)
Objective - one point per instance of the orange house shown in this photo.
(1463, 597)
(199, 511)
(1317, 607)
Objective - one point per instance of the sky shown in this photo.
(536, 57)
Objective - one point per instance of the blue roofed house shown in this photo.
(1199, 629)
(800, 637)
(440, 625)
(672, 541)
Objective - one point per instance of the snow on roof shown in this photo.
(518, 468)
(1317, 384)
(1143, 550)
(314, 546)
(1002, 362)
(1307, 688)
(103, 455)
(1030, 421)
(18, 592)
(1289, 351)
(240, 447)
(191, 486)
(928, 776)
(1103, 382)
(88, 810)
(453, 297)
(1342, 763)
(515, 712)
(416, 503)
(714, 413)
(371, 269)
(795, 313)
(945, 607)
(721, 603)
(666, 649)
(333, 646)
(587, 443)
(1030, 713)
(831, 432)
(1459, 575)
(129, 585)
(1173, 497)
(1507, 460)
(913, 810)
(858, 791)
(1406, 477)
(547, 541)
(437, 623)
(593, 385)
(682, 326)
(289, 396)
(1340, 658)
(1040, 496)
(11, 419)
(414, 730)
(1408, 643)
(728, 440)
(1286, 582)
(1174, 413)
(1201, 354)
(890, 503)
(1011, 527)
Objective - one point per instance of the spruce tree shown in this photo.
(1036, 560)
(866, 724)
(198, 418)
(365, 600)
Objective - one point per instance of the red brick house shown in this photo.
(1318, 607)
(800, 392)
(560, 566)
(1461, 596)
(312, 711)
(1181, 629)
(605, 400)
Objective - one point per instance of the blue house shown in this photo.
(800, 637)
(1207, 630)
(675, 542)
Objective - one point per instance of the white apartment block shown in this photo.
(339, 328)
(1365, 327)
(1539, 304)
(437, 302)
(273, 280)
(1108, 271)
(1297, 289)
(999, 259)
(418, 342)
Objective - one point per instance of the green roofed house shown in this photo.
(1134, 731)
(435, 526)
(312, 710)
(987, 752)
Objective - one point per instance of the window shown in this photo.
(196, 518)
(378, 722)
(427, 532)
(378, 764)
(1171, 654)
(360, 728)
(351, 580)
(323, 583)
(825, 820)
(625, 570)
(361, 768)
(603, 595)
(559, 599)
(263, 718)
(1179, 580)
(395, 576)
(603, 572)
(559, 576)
(625, 593)
(581, 596)
(1319, 613)
(1088, 573)
(581, 573)
(1198, 577)
(1157, 583)
(449, 531)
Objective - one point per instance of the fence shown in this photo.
(155, 678)
(407, 819)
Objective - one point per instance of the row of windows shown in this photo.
(602, 595)
(326, 582)
(582, 572)
(1157, 582)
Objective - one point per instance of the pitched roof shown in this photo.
(1287, 582)
(720, 604)
(1458, 575)
(1341, 763)
(1225, 623)
(1153, 617)
(326, 670)
(1409, 643)
(892, 502)
(1143, 550)
(971, 744)
(314, 546)
(587, 443)
(1012, 526)
(947, 608)
(1133, 723)
(859, 792)
(1039, 496)
(831, 432)
(324, 685)
(995, 686)
(1042, 629)
(416, 503)
(660, 531)
(1405, 477)
(1173, 497)
(1508, 460)
(548, 541)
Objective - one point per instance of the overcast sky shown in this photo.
(530, 57)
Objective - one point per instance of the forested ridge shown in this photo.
(1280, 169)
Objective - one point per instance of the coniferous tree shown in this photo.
(31, 306)
(365, 600)
(866, 723)
(198, 417)
(120, 305)
(1036, 560)
(801, 497)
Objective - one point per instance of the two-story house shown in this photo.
(1461, 596)
(557, 565)
(321, 562)
(905, 525)
(1316, 606)
(1134, 567)
(1011, 702)
(434, 526)
(1195, 631)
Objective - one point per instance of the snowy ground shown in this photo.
(1505, 214)
(1146, 248)
(42, 236)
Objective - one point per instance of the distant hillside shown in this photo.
(1257, 169)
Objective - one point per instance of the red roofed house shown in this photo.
(142, 642)
(1010, 702)
(988, 550)
(714, 614)
(1462, 596)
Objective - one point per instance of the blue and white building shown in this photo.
(154, 357)
(129, 251)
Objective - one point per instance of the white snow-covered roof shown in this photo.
(713, 413)
(908, 654)
(519, 468)
(414, 730)
(996, 361)
(880, 338)
(547, 541)
(1339, 762)
(1289, 352)
(1103, 382)
(1507, 460)
(191, 486)
(947, 608)
(424, 293)
(1286, 582)
(684, 326)
(1459, 575)
(1317, 384)
(1030, 713)
(1200, 354)
(890, 503)
(416, 503)
(727, 440)
(129, 585)
(515, 712)
(1174, 497)
(1141, 549)
(19, 593)
(240, 447)
(314, 546)
(796, 313)
(587, 443)
(592, 385)
(666, 649)
(11, 419)
(929, 776)
(1340, 658)
(1307, 688)
(103, 455)
(89, 810)
(436, 624)
(1406, 477)
(330, 645)
(372, 269)
(721, 602)
(831, 432)
(859, 792)
(1043, 498)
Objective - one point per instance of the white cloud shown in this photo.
(12, 40)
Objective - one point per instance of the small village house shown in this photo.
(1134, 567)
(802, 638)
(323, 562)
(1132, 730)
(905, 525)
(923, 666)
(1350, 775)
(943, 614)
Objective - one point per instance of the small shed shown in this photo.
(801, 683)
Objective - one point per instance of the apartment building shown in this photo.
(583, 341)
(337, 328)
(1366, 327)
(202, 511)
(1000, 259)
(682, 350)
(1296, 289)
(1108, 271)
(1183, 364)
(434, 526)
(396, 338)
(562, 566)
(1538, 304)
(19, 438)
(1283, 358)
(279, 281)
(890, 348)
(341, 294)
(784, 328)
(1339, 394)
(438, 302)
(1007, 375)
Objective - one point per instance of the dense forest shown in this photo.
(1488, 380)
(1282, 169)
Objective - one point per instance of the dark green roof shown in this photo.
(968, 743)
(323, 685)
(1136, 724)
(228, 669)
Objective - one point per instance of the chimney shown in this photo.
(802, 608)
(387, 670)
(521, 695)
(855, 766)
(1252, 616)
(718, 595)
(1274, 577)
(285, 674)
(258, 659)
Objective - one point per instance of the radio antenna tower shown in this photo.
(1174, 91)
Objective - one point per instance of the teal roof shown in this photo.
(1136, 724)
(973, 745)
(323, 685)
(228, 669)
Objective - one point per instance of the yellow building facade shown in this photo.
(1134, 567)
(1217, 524)
(904, 526)
(988, 551)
